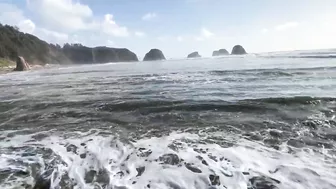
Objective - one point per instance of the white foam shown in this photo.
(302, 169)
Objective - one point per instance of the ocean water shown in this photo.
(260, 121)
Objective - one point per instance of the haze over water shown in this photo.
(254, 121)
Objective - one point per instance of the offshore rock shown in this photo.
(21, 64)
(194, 55)
(238, 50)
(154, 54)
(220, 52)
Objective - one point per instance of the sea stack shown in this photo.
(154, 54)
(220, 52)
(238, 50)
(194, 55)
(21, 64)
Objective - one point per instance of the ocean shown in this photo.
(260, 121)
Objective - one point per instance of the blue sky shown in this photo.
(178, 27)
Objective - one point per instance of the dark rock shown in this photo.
(262, 182)
(71, 148)
(202, 159)
(220, 52)
(101, 177)
(214, 179)
(295, 143)
(192, 168)
(144, 152)
(194, 55)
(140, 171)
(154, 54)
(21, 64)
(43, 181)
(83, 156)
(214, 158)
(80, 54)
(89, 176)
(238, 50)
(170, 159)
(275, 133)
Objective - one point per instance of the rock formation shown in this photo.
(85, 55)
(21, 64)
(154, 54)
(194, 55)
(220, 52)
(238, 50)
(37, 51)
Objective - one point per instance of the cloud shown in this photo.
(264, 30)
(149, 16)
(139, 34)
(27, 26)
(62, 14)
(110, 27)
(180, 38)
(69, 16)
(286, 26)
(206, 33)
(52, 36)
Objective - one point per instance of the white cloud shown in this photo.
(110, 27)
(206, 33)
(27, 26)
(52, 36)
(264, 30)
(139, 34)
(62, 14)
(286, 26)
(149, 16)
(71, 16)
(180, 38)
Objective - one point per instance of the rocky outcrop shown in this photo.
(21, 64)
(154, 54)
(220, 52)
(194, 55)
(80, 54)
(36, 51)
(238, 50)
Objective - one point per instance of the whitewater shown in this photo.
(260, 121)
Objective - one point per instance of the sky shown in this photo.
(178, 27)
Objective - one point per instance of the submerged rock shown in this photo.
(214, 179)
(238, 50)
(192, 168)
(140, 171)
(21, 64)
(43, 181)
(194, 55)
(154, 54)
(264, 183)
(220, 52)
(170, 159)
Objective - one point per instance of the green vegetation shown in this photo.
(14, 43)
(5, 63)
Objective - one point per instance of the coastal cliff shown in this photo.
(14, 43)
